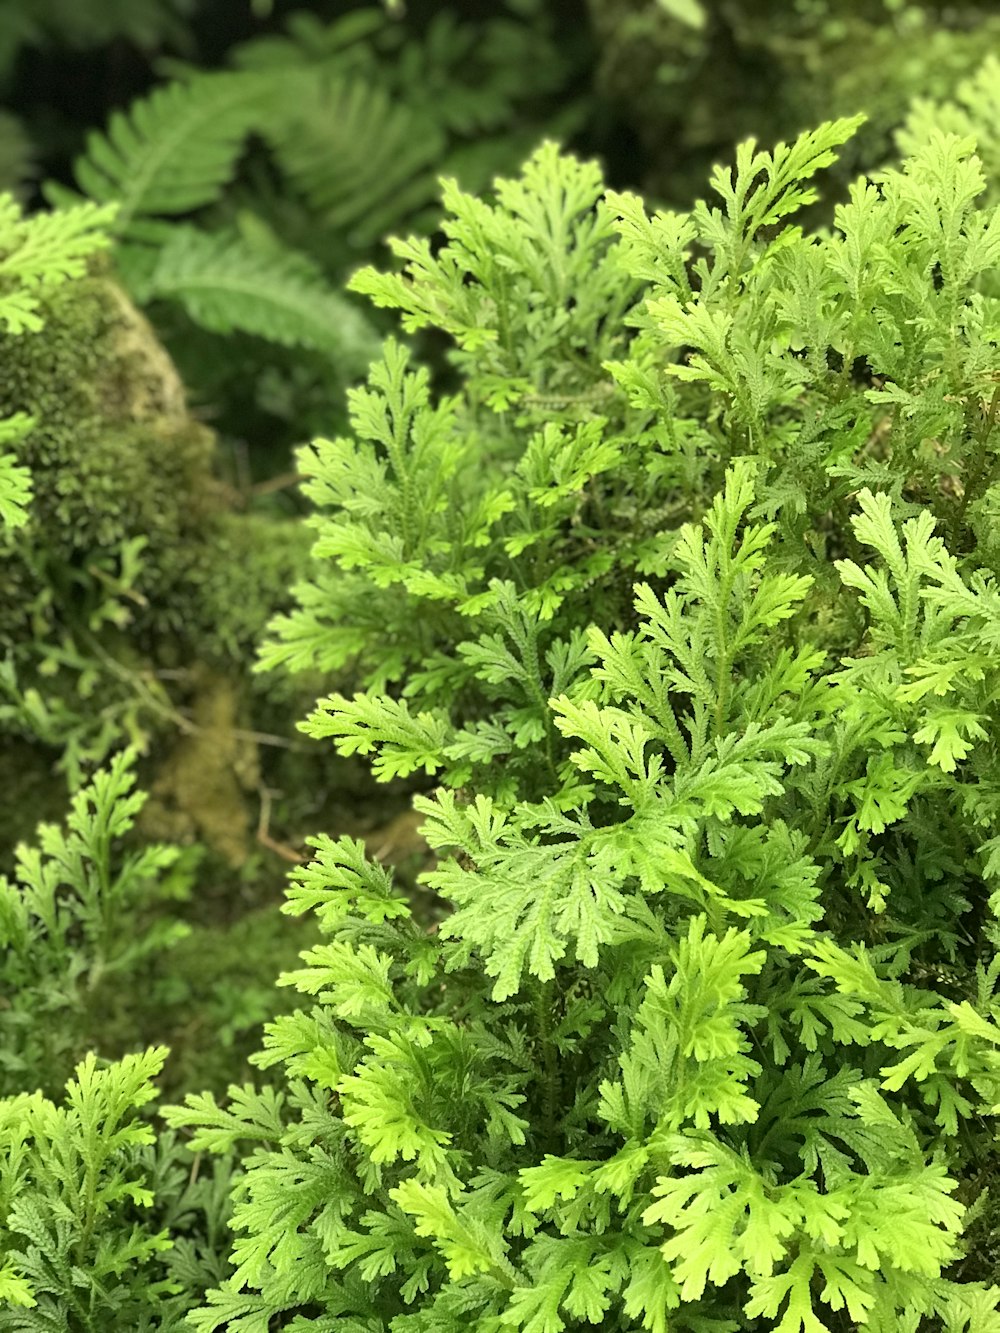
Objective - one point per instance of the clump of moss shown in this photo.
(118, 464)
(131, 604)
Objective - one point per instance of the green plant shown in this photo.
(703, 1033)
(970, 112)
(79, 920)
(88, 1202)
(672, 597)
(243, 195)
(461, 559)
(102, 1222)
(774, 1106)
(804, 350)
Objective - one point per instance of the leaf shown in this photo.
(723, 1219)
(340, 881)
(173, 151)
(15, 492)
(41, 252)
(404, 742)
(687, 1057)
(225, 284)
(464, 1252)
(764, 187)
(950, 732)
(14, 1289)
(251, 1115)
(355, 152)
(555, 1178)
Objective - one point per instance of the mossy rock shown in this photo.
(131, 604)
(115, 456)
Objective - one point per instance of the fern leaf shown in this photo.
(356, 156)
(224, 283)
(15, 481)
(175, 150)
(40, 252)
(406, 742)
(250, 1116)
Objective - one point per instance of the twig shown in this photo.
(263, 826)
(278, 483)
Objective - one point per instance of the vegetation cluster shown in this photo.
(500, 667)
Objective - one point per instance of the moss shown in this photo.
(754, 68)
(159, 648)
(117, 458)
(131, 605)
(201, 791)
(114, 454)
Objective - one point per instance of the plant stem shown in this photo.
(544, 996)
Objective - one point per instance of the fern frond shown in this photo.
(40, 252)
(15, 481)
(225, 284)
(176, 149)
(356, 156)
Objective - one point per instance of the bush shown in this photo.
(704, 1035)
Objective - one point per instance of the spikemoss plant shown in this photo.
(706, 1037)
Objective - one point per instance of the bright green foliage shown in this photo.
(684, 595)
(688, 645)
(805, 350)
(103, 1223)
(930, 683)
(863, 357)
(15, 481)
(87, 1206)
(704, 1033)
(459, 556)
(70, 1181)
(42, 252)
(679, 1078)
(527, 287)
(78, 921)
